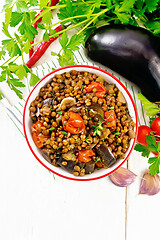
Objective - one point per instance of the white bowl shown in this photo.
(27, 122)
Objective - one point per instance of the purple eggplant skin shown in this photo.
(131, 51)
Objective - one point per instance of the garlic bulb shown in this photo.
(150, 184)
(122, 177)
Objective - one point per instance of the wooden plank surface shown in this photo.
(34, 205)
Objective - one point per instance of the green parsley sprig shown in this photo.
(151, 109)
(154, 147)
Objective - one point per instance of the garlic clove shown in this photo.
(122, 177)
(150, 184)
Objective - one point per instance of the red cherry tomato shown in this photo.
(37, 136)
(100, 90)
(156, 126)
(74, 124)
(84, 155)
(143, 131)
(110, 117)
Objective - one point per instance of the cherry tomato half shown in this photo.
(84, 155)
(74, 124)
(156, 126)
(143, 131)
(100, 90)
(38, 138)
(110, 117)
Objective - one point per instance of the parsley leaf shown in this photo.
(66, 58)
(64, 40)
(33, 3)
(12, 47)
(109, 3)
(16, 18)
(21, 6)
(143, 149)
(8, 13)
(33, 79)
(45, 36)
(152, 146)
(47, 17)
(154, 165)
(43, 3)
(74, 41)
(151, 109)
(126, 6)
(151, 5)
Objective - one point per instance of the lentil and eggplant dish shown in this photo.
(81, 122)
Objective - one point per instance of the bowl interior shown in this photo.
(27, 122)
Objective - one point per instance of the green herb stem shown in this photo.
(9, 60)
(67, 19)
(97, 15)
(64, 30)
(49, 8)
(46, 10)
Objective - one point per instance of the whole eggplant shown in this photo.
(131, 51)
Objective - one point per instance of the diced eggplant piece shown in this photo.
(81, 165)
(96, 107)
(46, 153)
(67, 165)
(46, 107)
(90, 166)
(69, 156)
(107, 157)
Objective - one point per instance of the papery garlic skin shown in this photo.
(150, 184)
(122, 177)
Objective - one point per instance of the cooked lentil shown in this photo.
(55, 136)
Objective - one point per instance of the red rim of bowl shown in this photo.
(136, 127)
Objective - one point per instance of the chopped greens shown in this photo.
(51, 129)
(97, 129)
(102, 117)
(65, 133)
(116, 132)
(88, 140)
(111, 108)
(59, 147)
(82, 88)
(151, 109)
(60, 113)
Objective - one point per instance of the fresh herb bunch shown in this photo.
(82, 15)
(153, 145)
